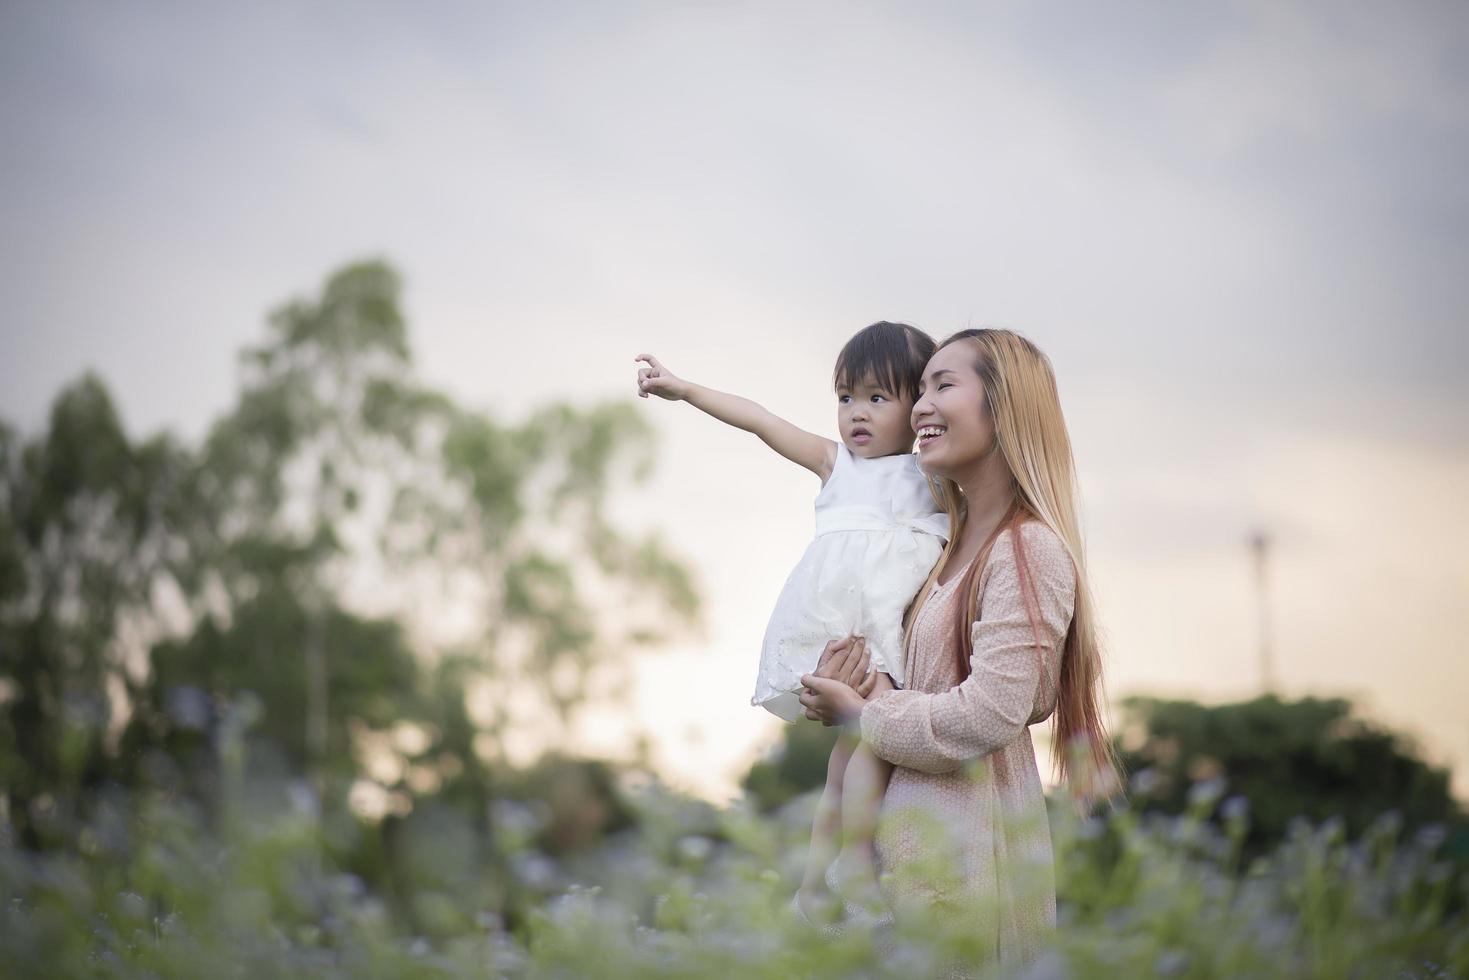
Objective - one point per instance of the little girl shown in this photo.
(878, 534)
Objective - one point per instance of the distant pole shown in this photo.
(1260, 548)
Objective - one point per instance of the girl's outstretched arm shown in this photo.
(807, 449)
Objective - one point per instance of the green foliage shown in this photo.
(84, 534)
(796, 764)
(372, 674)
(186, 583)
(575, 803)
(1289, 760)
(685, 890)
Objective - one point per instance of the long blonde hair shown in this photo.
(1020, 395)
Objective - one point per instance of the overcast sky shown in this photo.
(1239, 230)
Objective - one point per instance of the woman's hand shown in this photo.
(830, 702)
(655, 379)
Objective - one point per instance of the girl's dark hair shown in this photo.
(892, 353)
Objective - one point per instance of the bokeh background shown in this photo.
(1239, 231)
(357, 619)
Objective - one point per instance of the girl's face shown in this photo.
(955, 430)
(873, 419)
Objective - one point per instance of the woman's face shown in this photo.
(955, 430)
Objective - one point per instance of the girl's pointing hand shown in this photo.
(655, 379)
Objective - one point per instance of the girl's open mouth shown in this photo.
(861, 436)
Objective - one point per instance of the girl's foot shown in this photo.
(817, 907)
(854, 881)
(821, 914)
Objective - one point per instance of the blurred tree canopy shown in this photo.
(1310, 758)
(795, 765)
(296, 566)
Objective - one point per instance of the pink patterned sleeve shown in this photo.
(937, 733)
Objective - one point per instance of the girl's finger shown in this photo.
(844, 674)
(832, 647)
(857, 662)
(868, 684)
(832, 650)
(836, 668)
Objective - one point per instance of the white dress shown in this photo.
(878, 534)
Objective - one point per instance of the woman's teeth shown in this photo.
(930, 432)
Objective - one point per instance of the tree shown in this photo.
(298, 555)
(1310, 758)
(84, 537)
(796, 764)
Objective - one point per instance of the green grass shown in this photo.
(688, 890)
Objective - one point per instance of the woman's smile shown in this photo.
(929, 433)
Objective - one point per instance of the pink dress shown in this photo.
(963, 826)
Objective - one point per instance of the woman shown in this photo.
(1001, 637)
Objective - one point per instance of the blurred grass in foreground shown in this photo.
(688, 890)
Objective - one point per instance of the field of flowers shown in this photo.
(157, 888)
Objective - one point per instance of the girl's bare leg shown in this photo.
(863, 785)
(826, 828)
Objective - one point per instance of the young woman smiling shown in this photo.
(1001, 637)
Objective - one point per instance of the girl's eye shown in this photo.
(878, 398)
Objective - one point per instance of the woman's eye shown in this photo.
(946, 384)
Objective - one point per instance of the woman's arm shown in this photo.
(988, 709)
(807, 449)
